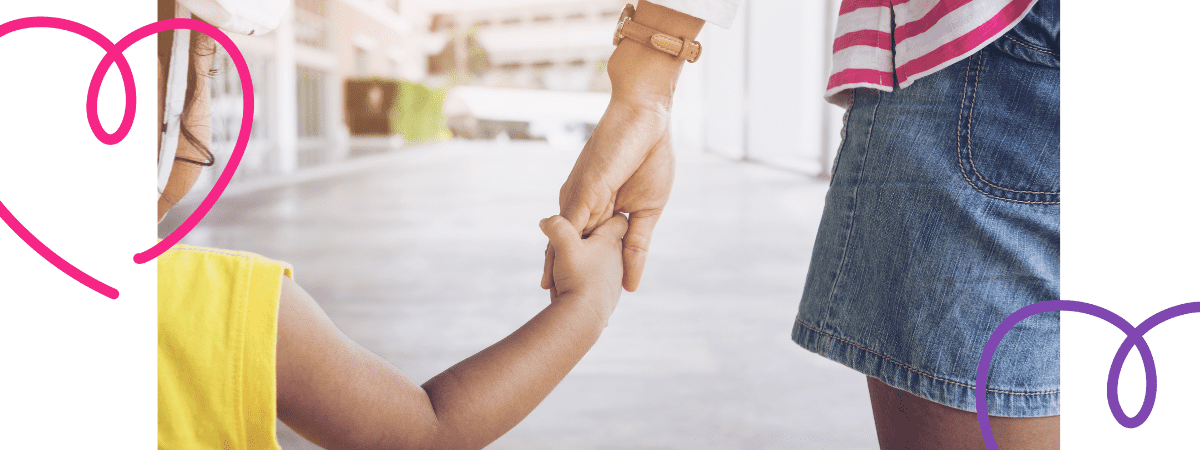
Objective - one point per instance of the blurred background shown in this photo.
(404, 150)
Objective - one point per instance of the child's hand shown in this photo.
(589, 268)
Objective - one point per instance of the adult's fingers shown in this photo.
(586, 212)
(636, 248)
(577, 213)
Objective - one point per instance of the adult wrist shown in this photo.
(668, 21)
(641, 74)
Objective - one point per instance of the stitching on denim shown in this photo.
(1009, 199)
(850, 232)
(837, 159)
(970, 154)
(1030, 46)
(961, 106)
(918, 372)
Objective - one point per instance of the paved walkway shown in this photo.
(428, 255)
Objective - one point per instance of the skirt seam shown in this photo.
(918, 372)
(850, 230)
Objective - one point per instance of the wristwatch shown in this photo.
(627, 28)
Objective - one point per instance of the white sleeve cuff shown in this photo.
(717, 12)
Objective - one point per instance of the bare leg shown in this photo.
(905, 421)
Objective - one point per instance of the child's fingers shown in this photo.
(613, 228)
(561, 233)
(548, 270)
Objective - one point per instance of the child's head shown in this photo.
(192, 153)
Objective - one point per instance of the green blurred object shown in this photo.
(379, 106)
(417, 115)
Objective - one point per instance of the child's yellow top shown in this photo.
(217, 316)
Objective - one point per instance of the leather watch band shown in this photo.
(628, 28)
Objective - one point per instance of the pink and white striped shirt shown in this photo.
(929, 35)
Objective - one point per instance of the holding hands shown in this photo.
(627, 165)
(587, 268)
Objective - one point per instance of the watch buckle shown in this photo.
(699, 49)
(626, 14)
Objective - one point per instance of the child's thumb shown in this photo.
(560, 231)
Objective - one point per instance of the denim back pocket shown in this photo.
(1008, 128)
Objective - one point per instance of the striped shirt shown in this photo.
(928, 35)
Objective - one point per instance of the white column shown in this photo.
(285, 114)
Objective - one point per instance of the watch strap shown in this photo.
(671, 45)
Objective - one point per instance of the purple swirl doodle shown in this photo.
(114, 53)
(1133, 337)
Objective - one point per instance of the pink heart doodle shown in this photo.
(115, 53)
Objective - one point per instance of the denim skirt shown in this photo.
(942, 218)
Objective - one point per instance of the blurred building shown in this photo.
(755, 94)
(299, 72)
(301, 69)
(559, 45)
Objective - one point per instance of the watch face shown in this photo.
(626, 14)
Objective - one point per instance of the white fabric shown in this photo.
(914, 9)
(173, 103)
(936, 34)
(717, 12)
(863, 57)
(949, 27)
(875, 18)
(252, 17)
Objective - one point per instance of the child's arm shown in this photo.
(339, 395)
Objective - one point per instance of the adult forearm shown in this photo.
(479, 399)
(645, 75)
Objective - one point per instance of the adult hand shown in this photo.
(627, 165)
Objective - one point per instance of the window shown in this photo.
(441, 22)
(310, 23)
(313, 6)
(226, 107)
(310, 102)
(362, 62)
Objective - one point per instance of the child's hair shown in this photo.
(166, 10)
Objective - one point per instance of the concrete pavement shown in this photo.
(427, 255)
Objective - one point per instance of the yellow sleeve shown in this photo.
(217, 324)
